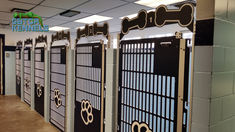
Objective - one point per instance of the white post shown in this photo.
(111, 105)
(47, 85)
(32, 79)
(70, 96)
(22, 73)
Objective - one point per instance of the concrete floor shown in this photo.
(15, 116)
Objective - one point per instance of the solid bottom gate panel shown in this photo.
(148, 82)
(39, 80)
(88, 88)
(18, 72)
(27, 76)
(58, 87)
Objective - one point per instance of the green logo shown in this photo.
(28, 22)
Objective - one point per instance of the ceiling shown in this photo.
(49, 10)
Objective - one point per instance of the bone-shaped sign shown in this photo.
(28, 42)
(19, 44)
(92, 30)
(60, 36)
(41, 39)
(183, 16)
(101, 29)
(140, 22)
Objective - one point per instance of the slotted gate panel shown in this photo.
(27, 76)
(89, 87)
(39, 74)
(58, 86)
(148, 84)
(18, 72)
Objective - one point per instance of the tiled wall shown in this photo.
(202, 66)
(222, 107)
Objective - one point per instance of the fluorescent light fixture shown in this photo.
(57, 28)
(134, 15)
(156, 3)
(93, 18)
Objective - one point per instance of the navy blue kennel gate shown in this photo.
(149, 84)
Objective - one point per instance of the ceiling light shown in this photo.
(93, 18)
(57, 28)
(156, 3)
(70, 13)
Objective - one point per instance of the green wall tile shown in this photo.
(216, 111)
(222, 84)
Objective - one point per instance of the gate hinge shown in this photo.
(178, 35)
(118, 127)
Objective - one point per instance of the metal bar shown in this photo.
(102, 89)
(181, 85)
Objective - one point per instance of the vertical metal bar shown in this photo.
(181, 85)
(102, 90)
(170, 104)
(191, 81)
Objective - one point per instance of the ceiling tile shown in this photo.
(124, 10)
(131, 0)
(72, 25)
(29, 1)
(8, 5)
(64, 4)
(96, 6)
(53, 22)
(46, 11)
(6, 16)
(81, 15)
(4, 21)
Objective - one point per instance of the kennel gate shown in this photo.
(150, 82)
(27, 75)
(18, 71)
(58, 86)
(89, 102)
(39, 85)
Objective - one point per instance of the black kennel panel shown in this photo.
(89, 87)
(58, 86)
(148, 85)
(18, 72)
(27, 76)
(39, 73)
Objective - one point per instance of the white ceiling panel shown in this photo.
(124, 10)
(46, 11)
(115, 28)
(30, 1)
(131, 0)
(8, 5)
(81, 15)
(6, 16)
(53, 22)
(4, 21)
(96, 6)
(64, 4)
(72, 25)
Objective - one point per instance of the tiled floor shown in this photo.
(15, 116)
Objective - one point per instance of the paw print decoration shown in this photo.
(27, 83)
(39, 90)
(86, 112)
(18, 80)
(57, 99)
(139, 127)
